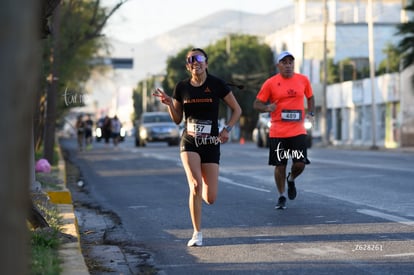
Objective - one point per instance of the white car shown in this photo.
(156, 127)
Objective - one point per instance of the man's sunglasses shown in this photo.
(199, 58)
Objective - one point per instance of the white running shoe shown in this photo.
(196, 240)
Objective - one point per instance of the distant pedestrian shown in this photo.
(88, 132)
(106, 129)
(116, 130)
(283, 96)
(80, 130)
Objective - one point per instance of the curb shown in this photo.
(64, 196)
(73, 262)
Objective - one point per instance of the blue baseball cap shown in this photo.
(283, 55)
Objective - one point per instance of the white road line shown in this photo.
(400, 255)
(137, 206)
(160, 156)
(229, 181)
(386, 216)
(222, 179)
(360, 165)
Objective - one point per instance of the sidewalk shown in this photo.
(73, 262)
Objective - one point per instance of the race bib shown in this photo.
(198, 128)
(291, 115)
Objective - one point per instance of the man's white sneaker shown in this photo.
(196, 240)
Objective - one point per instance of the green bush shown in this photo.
(45, 242)
(44, 256)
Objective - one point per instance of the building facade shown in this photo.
(344, 35)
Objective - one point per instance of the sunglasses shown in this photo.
(199, 58)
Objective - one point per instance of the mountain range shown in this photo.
(149, 56)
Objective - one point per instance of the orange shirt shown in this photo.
(288, 94)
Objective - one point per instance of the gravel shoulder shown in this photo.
(104, 244)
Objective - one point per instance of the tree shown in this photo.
(137, 100)
(176, 69)
(20, 21)
(406, 44)
(243, 59)
(391, 63)
(333, 72)
(66, 56)
(240, 59)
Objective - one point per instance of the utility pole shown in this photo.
(372, 72)
(323, 125)
(228, 51)
(52, 90)
(144, 95)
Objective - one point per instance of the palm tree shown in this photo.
(406, 45)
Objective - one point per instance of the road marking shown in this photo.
(319, 251)
(137, 206)
(160, 156)
(229, 181)
(361, 165)
(270, 240)
(386, 216)
(400, 255)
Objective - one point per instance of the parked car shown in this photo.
(261, 132)
(156, 127)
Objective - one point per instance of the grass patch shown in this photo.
(44, 248)
(50, 181)
(46, 241)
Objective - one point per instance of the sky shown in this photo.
(138, 20)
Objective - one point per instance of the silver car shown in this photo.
(156, 127)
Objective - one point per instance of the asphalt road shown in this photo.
(354, 213)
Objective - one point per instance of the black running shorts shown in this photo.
(208, 148)
(283, 149)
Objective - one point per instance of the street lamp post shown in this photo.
(323, 119)
(144, 96)
(372, 73)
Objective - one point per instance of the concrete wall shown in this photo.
(406, 118)
(347, 32)
(350, 112)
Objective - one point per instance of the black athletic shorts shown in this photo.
(208, 148)
(283, 149)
